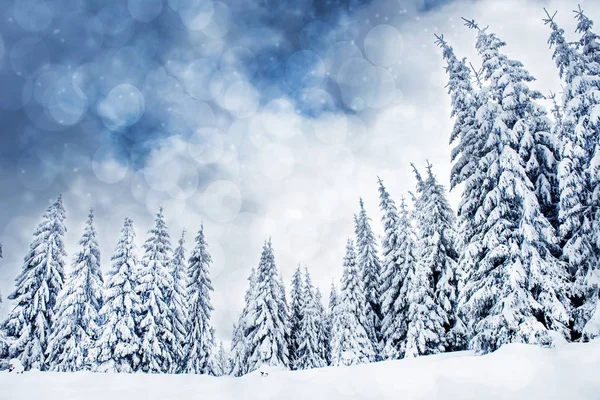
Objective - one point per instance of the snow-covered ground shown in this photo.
(514, 372)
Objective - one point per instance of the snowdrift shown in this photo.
(515, 372)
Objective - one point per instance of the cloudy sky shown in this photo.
(257, 117)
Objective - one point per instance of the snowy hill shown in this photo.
(514, 372)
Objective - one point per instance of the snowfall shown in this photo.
(515, 372)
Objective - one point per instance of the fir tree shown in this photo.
(351, 344)
(178, 305)
(155, 284)
(37, 287)
(329, 320)
(436, 252)
(75, 329)
(323, 331)
(467, 150)
(267, 329)
(578, 190)
(239, 342)
(370, 267)
(298, 300)
(199, 345)
(589, 128)
(397, 243)
(221, 363)
(309, 353)
(516, 293)
(118, 346)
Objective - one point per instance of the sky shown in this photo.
(258, 118)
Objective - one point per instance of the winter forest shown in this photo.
(517, 262)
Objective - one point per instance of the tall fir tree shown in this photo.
(516, 291)
(579, 134)
(590, 48)
(178, 305)
(37, 286)
(468, 144)
(436, 251)
(118, 346)
(155, 284)
(199, 344)
(397, 245)
(297, 307)
(309, 353)
(71, 345)
(267, 325)
(239, 342)
(370, 267)
(350, 343)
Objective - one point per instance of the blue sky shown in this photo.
(260, 118)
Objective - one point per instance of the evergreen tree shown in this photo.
(468, 144)
(267, 329)
(370, 267)
(37, 287)
(516, 291)
(323, 331)
(589, 128)
(579, 135)
(239, 343)
(221, 365)
(178, 305)
(329, 319)
(118, 346)
(155, 284)
(436, 251)
(350, 343)
(397, 243)
(298, 300)
(75, 329)
(213, 368)
(199, 345)
(309, 353)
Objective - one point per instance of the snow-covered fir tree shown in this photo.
(370, 267)
(436, 250)
(75, 328)
(397, 246)
(266, 322)
(199, 346)
(323, 331)
(221, 363)
(579, 135)
(309, 353)
(516, 291)
(329, 318)
(467, 171)
(297, 307)
(239, 343)
(590, 49)
(285, 308)
(37, 286)
(350, 342)
(118, 345)
(178, 304)
(155, 285)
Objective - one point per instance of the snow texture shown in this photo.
(515, 372)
